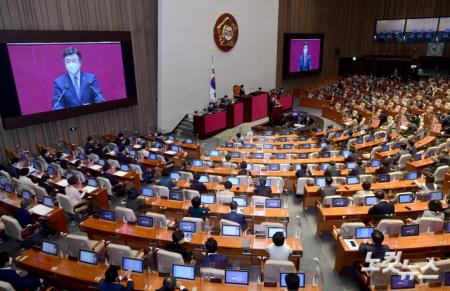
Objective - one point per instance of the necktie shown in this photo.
(77, 86)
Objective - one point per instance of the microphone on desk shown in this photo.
(66, 87)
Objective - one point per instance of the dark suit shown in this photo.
(382, 208)
(116, 286)
(378, 250)
(198, 212)
(198, 186)
(236, 217)
(332, 172)
(357, 170)
(215, 261)
(110, 177)
(180, 249)
(304, 63)
(90, 91)
(303, 173)
(23, 217)
(351, 157)
(382, 170)
(263, 191)
(19, 283)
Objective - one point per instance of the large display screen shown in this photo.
(48, 77)
(421, 29)
(302, 53)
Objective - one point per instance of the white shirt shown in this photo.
(279, 253)
(74, 195)
(26, 181)
(225, 196)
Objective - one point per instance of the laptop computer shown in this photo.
(417, 157)
(258, 156)
(26, 195)
(100, 162)
(410, 230)
(50, 248)
(147, 192)
(398, 283)
(280, 156)
(363, 232)
(145, 221)
(324, 166)
(273, 230)
(301, 280)
(88, 257)
(247, 146)
(325, 155)
(134, 265)
(183, 272)
(48, 201)
(235, 154)
(267, 146)
(51, 171)
(306, 146)
(241, 201)
(152, 157)
(214, 153)
(108, 215)
(231, 230)
(234, 277)
(303, 156)
(124, 168)
(339, 202)
(273, 203)
(189, 141)
(92, 182)
(345, 153)
(288, 146)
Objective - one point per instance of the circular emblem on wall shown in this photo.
(226, 32)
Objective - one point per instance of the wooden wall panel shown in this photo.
(349, 25)
(137, 16)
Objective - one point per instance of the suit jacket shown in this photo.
(263, 191)
(236, 217)
(90, 91)
(215, 261)
(382, 208)
(198, 212)
(199, 186)
(356, 171)
(327, 191)
(304, 63)
(378, 250)
(19, 283)
(180, 249)
(332, 171)
(116, 286)
(23, 217)
(382, 170)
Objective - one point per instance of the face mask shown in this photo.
(73, 68)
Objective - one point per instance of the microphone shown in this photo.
(95, 90)
(66, 87)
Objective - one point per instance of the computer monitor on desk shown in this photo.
(410, 230)
(273, 230)
(183, 272)
(49, 248)
(235, 277)
(231, 230)
(88, 257)
(134, 265)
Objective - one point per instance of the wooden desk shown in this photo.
(332, 115)
(338, 159)
(329, 216)
(56, 219)
(413, 247)
(141, 237)
(152, 163)
(311, 102)
(179, 209)
(424, 142)
(312, 196)
(386, 154)
(79, 276)
(272, 151)
(367, 145)
(420, 164)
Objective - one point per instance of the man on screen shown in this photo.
(75, 88)
(304, 63)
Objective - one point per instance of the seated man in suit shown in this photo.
(385, 168)
(178, 245)
(18, 280)
(351, 156)
(112, 281)
(383, 208)
(358, 169)
(212, 259)
(236, 217)
(327, 190)
(303, 172)
(195, 210)
(332, 170)
(195, 184)
(44, 183)
(75, 88)
(377, 248)
(261, 189)
(22, 215)
(243, 168)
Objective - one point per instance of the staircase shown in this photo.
(185, 129)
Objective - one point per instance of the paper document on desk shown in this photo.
(137, 146)
(62, 183)
(349, 243)
(170, 153)
(154, 149)
(169, 141)
(41, 210)
(120, 173)
(95, 167)
(89, 189)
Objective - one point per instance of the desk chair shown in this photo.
(114, 164)
(224, 198)
(43, 162)
(93, 157)
(76, 242)
(431, 149)
(161, 191)
(105, 183)
(278, 181)
(301, 183)
(442, 265)
(60, 171)
(401, 163)
(229, 165)
(215, 179)
(5, 286)
(391, 227)
(339, 181)
(273, 268)
(198, 223)
(15, 231)
(186, 176)
(366, 178)
(17, 184)
(396, 176)
(328, 200)
(79, 175)
(160, 220)
(40, 191)
(6, 175)
(137, 169)
(166, 260)
(125, 213)
(347, 229)
(188, 194)
(69, 209)
(259, 167)
(439, 174)
(259, 200)
(116, 252)
(430, 224)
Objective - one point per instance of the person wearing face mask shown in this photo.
(75, 88)
(304, 61)
(18, 280)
